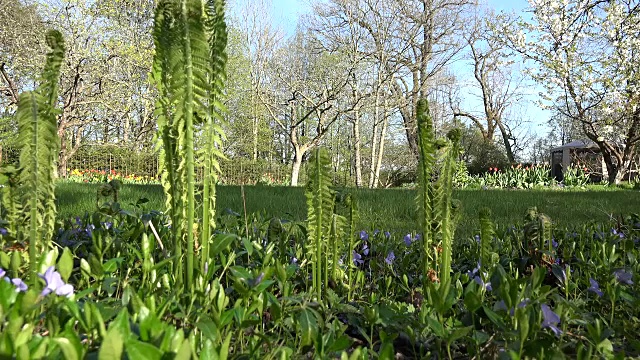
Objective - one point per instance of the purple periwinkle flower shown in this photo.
(407, 240)
(357, 258)
(595, 287)
(19, 284)
(477, 238)
(479, 281)
(2, 272)
(365, 249)
(550, 320)
(418, 237)
(624, 277)
(619, 233)
(55, 284)
(376, 232)
(387, 234)
(3, 231)
(258, 279)
(475, 270)
(521, 305)
(364, 236)
(390, 257)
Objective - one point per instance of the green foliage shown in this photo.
(436, 171)
(320, 206)
(461, 177)
(188, 70)
(575, 177)
(426, 196)
(109, 288)
(37, 123)
(515, 177)
(487, 234)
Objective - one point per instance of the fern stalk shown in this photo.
(445, 209)
(426, 143)
(189, 176)
(37, 125)
(486, 235)
(217, 34)
(188, 70)
(320, 204)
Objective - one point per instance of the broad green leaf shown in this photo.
(121, 324)
(220, 243)
(437, 328)
(68, 349)
(184, 353)
(142, 351)
(112, 345)
(208, 328)
(459, 333)
(65, 264)
(495, 318)
(308, 326)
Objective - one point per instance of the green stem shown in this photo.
(188, 146)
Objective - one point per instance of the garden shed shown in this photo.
(583, 154)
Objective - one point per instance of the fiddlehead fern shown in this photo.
(320, 205)
(188, 69)
(38, 129)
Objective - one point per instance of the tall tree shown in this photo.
(497, 80)
(305, 89)
(104, 90)
(587, 55)
(257, 39)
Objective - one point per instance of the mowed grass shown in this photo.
(385, 209)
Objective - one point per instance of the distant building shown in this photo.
(584, 154)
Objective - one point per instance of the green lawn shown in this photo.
(387, 209)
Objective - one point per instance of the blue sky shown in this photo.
(286, 12)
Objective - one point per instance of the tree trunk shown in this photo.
(376, 119)
(383, 132)
(356, 145)
(507, 144)
(297, 163)
(62, 158)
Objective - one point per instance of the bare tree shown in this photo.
(497, 81)
(305, 86)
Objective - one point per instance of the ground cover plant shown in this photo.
(188, 281)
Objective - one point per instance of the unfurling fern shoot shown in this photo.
(38, 129)
(188, 70)
(444, 209)
(426, 143)
(320, 204)
(486, 236)
(436, 214)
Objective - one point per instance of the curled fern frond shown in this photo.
(487, 233)
(188, 70)
(216, 30)
(426, 142)
(320, 205)
(38, 128)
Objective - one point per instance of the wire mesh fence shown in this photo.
(126, 162)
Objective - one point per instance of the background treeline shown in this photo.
(348, 77)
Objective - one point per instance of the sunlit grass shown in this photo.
(386, 209)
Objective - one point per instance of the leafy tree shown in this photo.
(586, 54)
